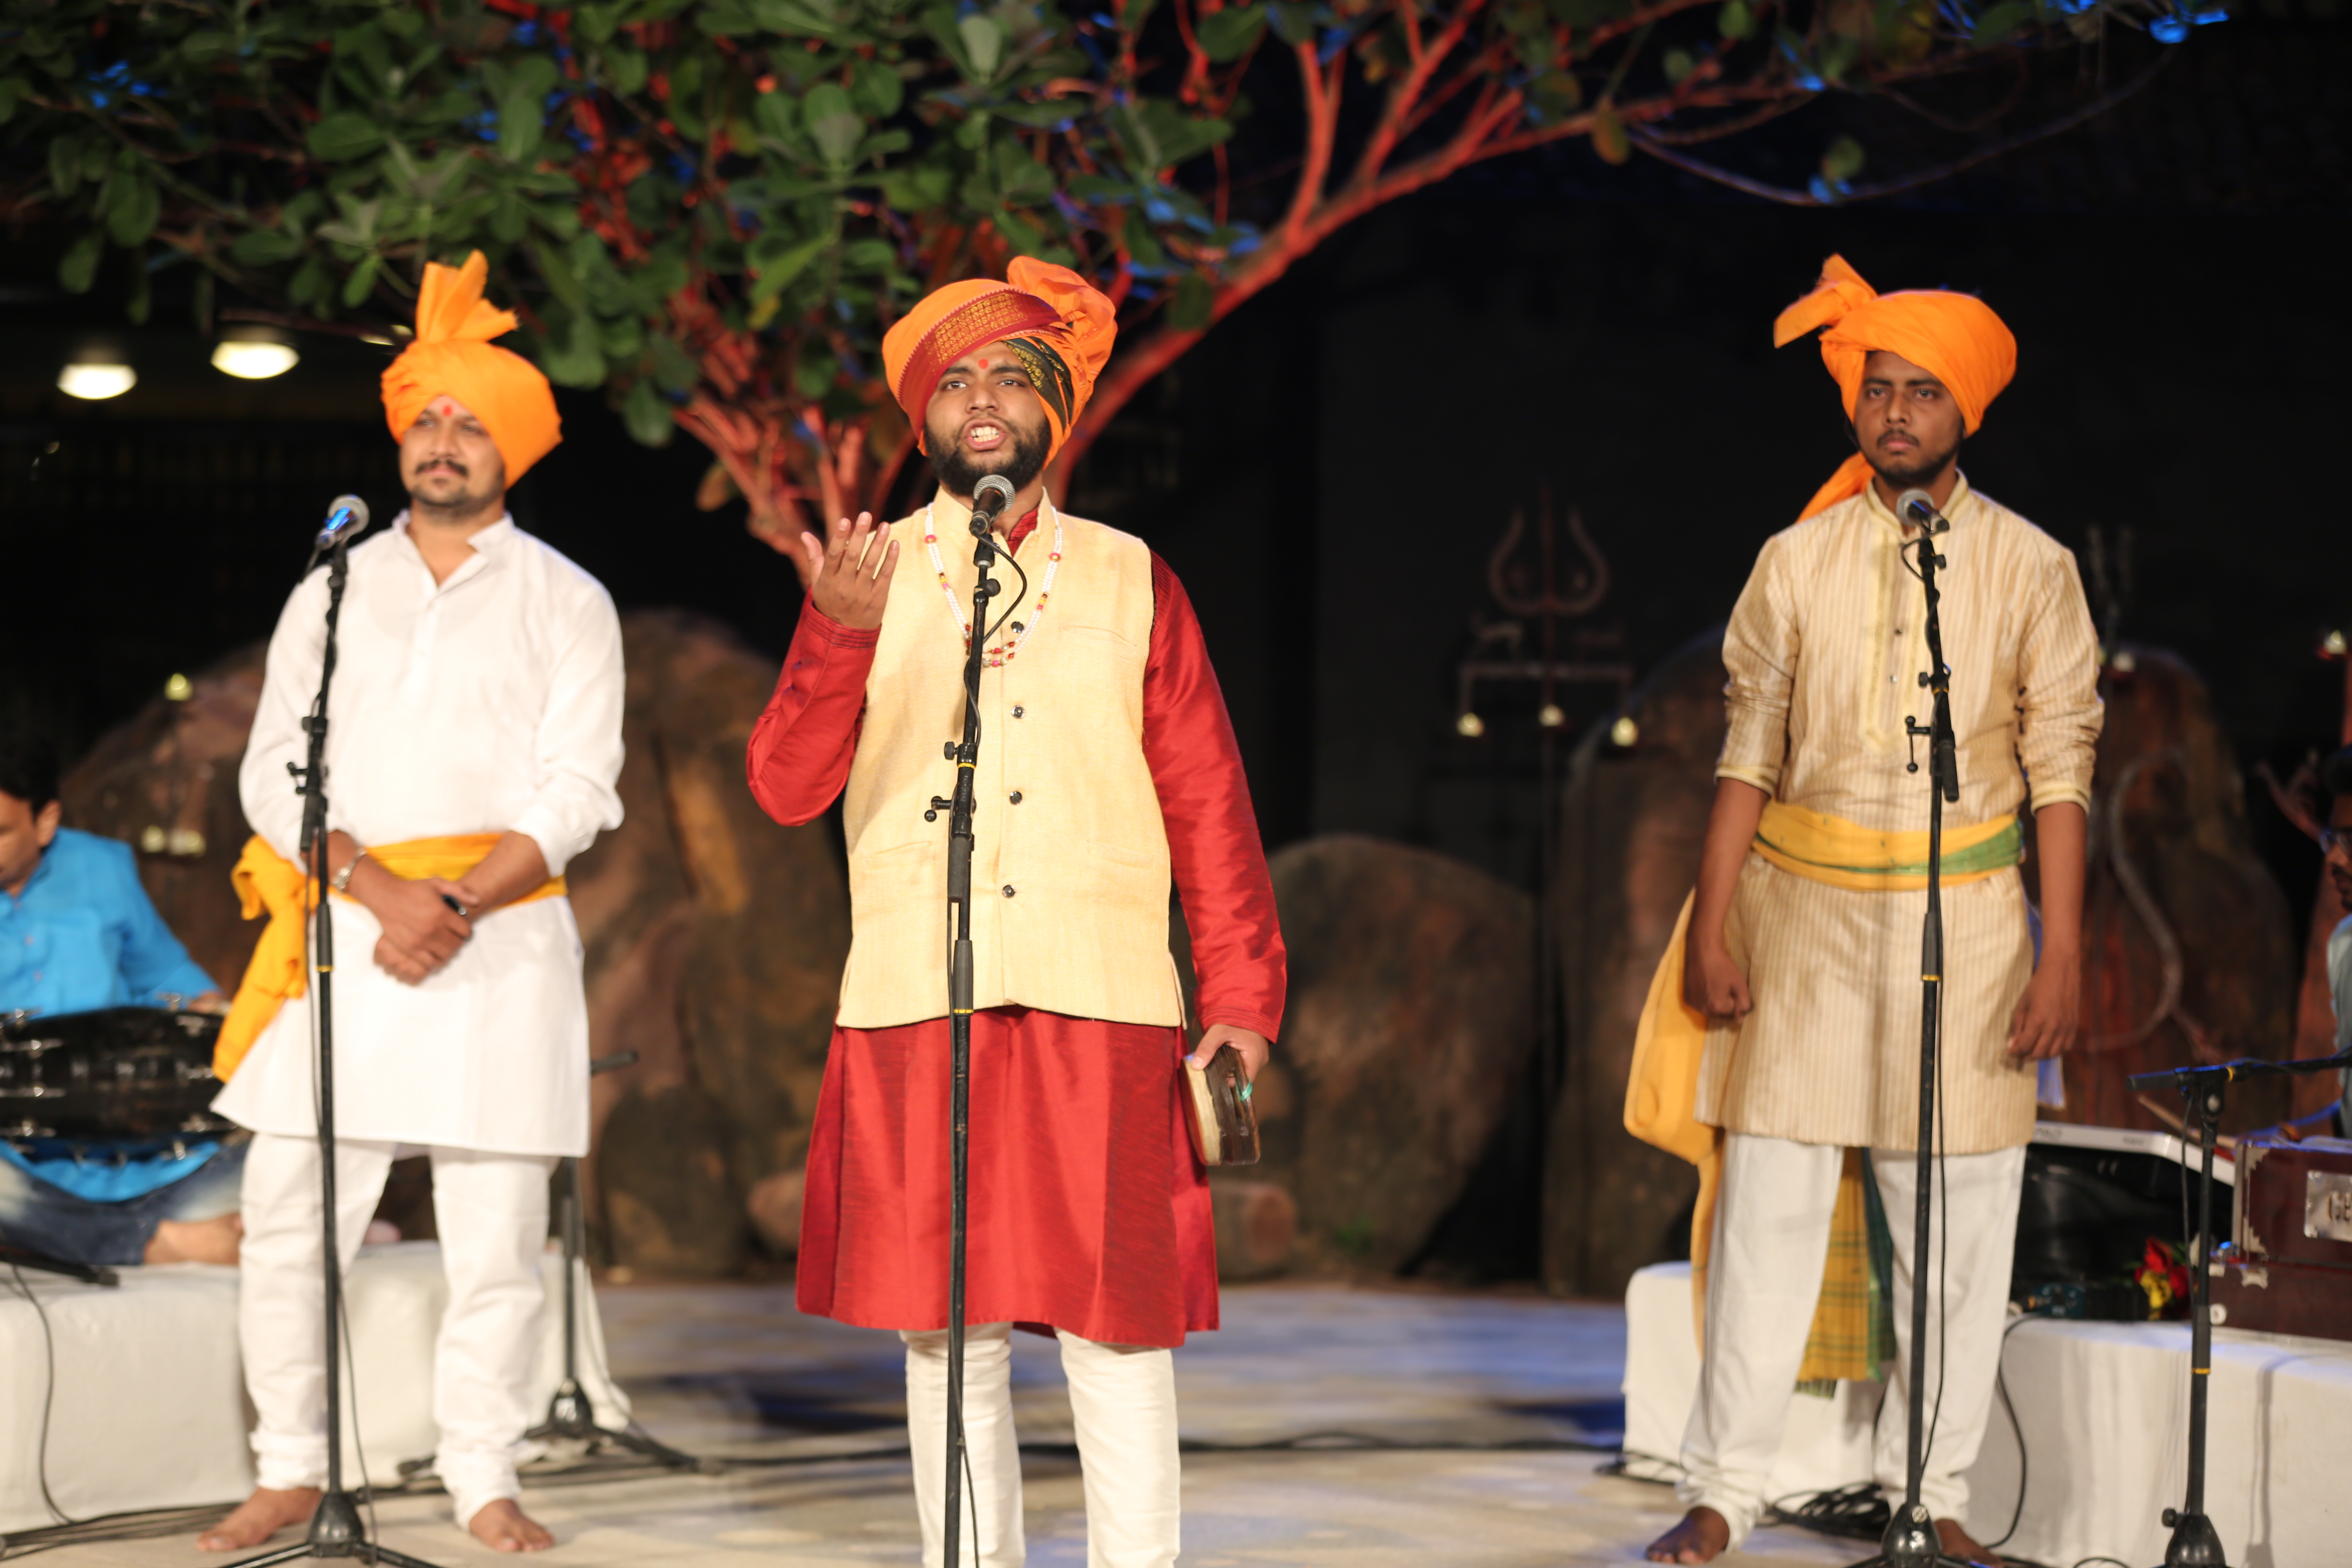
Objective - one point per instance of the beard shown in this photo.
(471, 492)
(1022, 460)
(1919, 468)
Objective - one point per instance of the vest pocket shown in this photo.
(897, 876)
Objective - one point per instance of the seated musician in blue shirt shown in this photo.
(78, 933)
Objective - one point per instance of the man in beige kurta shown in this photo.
(1804, 944)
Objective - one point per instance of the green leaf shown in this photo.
(877, 90)
(673, 367)
(1678, 64)
(624, 338)
(1995, 26)
(814, 376)
(1558, 91)
(78, 269)
(1843, 160)
(65, 166)
(136, 208)
(264, 247)
(832, 124)
(1294, 25)
(576, 357)
(509, 216)
(1189, 311)
(983, 44)
(597, 23)
(1736, 20)
(341, 137)
(1232, 32)
(775, 273)
(1609, 135)
(646, 414)
(361, 281)
(776, 115)
(11, 89)
(522, 119)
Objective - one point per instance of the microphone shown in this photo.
(1918, 508)
(989, 497)
(347, 516)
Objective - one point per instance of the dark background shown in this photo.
(1330, 470)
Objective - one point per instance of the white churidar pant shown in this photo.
(1123, 1402)
(1771, 1238)
(491, 1210)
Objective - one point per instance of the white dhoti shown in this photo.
(1771, 1239)
(491, 1210)
(1123, 1404)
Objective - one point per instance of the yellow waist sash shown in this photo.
(1825, 848)
(1670, 1045)
(268, 881)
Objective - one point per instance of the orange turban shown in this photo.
(452, 353)
(1956, 338)
(1058, 323)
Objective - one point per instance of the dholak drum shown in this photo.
(117, 1072)
(1224, 1124)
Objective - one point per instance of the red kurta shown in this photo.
(1088, 1210)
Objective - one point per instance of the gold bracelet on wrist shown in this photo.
(341, 880)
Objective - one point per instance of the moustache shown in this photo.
(451, 463)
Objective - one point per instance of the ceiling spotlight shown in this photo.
(254, 353)
(97, 376)
(1625, 733)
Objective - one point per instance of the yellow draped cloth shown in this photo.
(267, 881)
(1670, 1046)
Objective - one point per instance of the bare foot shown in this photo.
(1956, 1543)
(258, 1518)
(503, 1527)
(196, 1241)
(1700, 1538)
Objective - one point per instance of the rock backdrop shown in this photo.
(1411, 1015)
(1629, 825)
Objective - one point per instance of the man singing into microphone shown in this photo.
(473, 747)
(1804, 933)
(1106, 762)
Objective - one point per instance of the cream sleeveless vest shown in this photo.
(1069, 864)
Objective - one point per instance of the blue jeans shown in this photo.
(40, 1218)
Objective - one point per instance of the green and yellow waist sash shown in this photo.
(1825, 848)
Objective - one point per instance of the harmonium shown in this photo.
(2288, 1267)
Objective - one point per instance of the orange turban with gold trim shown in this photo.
(452, 353)
(1060, 325)
(1956, 338)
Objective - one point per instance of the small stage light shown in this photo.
(1552, 716)
(96, 377)
(1470, 724)
(254, 353)
(1625, 733)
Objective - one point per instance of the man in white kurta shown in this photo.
(476, 698)
(1805, 931)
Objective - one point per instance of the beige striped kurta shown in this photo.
(1823, 652)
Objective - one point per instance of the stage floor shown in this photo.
(1481, 1389)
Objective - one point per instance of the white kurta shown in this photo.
(488, 703)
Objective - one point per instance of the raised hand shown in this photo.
(849, 582)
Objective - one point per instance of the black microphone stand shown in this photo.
(966, 757)
(2195, 1542)
(571, 1416)
(1910, 1540)
(335, 1528)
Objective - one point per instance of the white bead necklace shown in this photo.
(1002, 652)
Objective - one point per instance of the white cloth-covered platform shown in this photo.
(2104, 1408)
(149, 1409)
